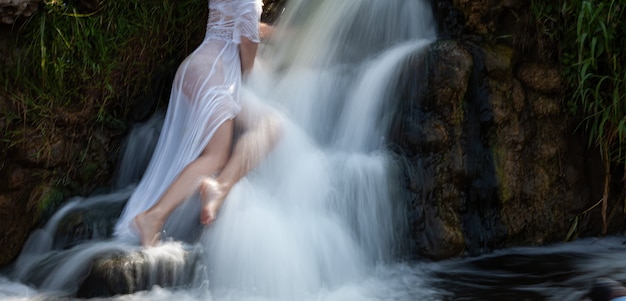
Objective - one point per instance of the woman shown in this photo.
(195, 141)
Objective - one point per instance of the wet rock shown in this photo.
(477, 14)
(450, 20)
(451, 70)
(10, 10)
(130, 272)
(83, 224)
(436, 164)
(488, 167)
(429, 134)
(498, 59)
(38, 150)
(541, 77)
(440, 239)
(15, 226)
(546, 106)
(17, 178)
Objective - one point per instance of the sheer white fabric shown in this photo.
(205, 93)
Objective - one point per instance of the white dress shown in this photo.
(205, 93)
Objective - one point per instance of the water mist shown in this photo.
(319, 213)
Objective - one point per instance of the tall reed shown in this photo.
(102, 60)
(75, 73)
(592, 51)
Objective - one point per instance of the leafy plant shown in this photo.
(592, 51)
(100, 59)
(69, 71)
(600, 77)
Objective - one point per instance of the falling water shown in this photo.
(318, 219)
(318, 213)
(317, 216)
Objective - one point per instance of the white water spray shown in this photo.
(318, 214)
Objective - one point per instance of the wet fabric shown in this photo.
(205, 93)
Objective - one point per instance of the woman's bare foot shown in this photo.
(149, 229)
(213, 195)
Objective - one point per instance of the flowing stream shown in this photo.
(319, 219)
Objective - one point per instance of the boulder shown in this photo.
(488, 153)
(130, 272)
(11, 10)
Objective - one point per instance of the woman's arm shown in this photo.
(247, 53)
(248, 49)
(266, 31)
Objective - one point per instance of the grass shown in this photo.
(75, 72)
(100, 60)
(592, 50)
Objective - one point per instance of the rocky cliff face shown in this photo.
(492, 156)
(10, 10)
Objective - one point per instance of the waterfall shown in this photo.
(319, 214)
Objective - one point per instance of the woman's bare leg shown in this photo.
(262, 129)
(211, 161)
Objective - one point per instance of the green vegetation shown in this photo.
(65, 60)
(72, 75)
(52, 199)
(592, 49)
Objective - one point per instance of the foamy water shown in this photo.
(316, 220)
